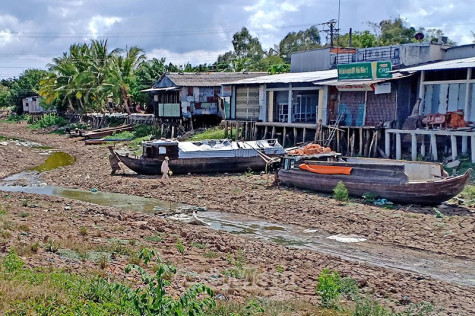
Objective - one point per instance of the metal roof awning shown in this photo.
(446, 64)
(336, 83)
(160, 89)
(292, 77)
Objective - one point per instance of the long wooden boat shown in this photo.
(212, 156)
(406, 182)
(107, 131)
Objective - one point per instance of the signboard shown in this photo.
(382, 88)
(358, 71)
(354, 87)
(226, 91)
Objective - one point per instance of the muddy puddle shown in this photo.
(349, 247)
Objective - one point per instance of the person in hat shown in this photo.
(113, 160)
(165, 169)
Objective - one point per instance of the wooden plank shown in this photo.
(433, 147)
(413, 147)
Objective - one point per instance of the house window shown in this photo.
(162, 150)
(305, 108)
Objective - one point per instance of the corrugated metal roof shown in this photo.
(335, 82)
(293, 77)
(209, 79)
(446, 64)
(160, 89)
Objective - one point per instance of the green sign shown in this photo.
(383, 69)
(372, 70)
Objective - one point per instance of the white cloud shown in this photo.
(101, 24)
(193, 57)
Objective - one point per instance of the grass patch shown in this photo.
(210, 133)
(49, 120)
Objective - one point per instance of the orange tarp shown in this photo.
(310, 149)
(326, 169)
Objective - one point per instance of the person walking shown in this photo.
(113, 160)
(165, 169)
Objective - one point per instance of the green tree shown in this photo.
(246, 46)
(358, 39)
(299, 41)
(27, 85)
(121, 75)
(395, 31)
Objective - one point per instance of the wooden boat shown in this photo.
(407, 182)
(96, 141)
(210, 156)
(102, 132)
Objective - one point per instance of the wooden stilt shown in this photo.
(237, 131)
(173, 132)
(283, 136)
(265, 132)
(338, 142)
(304, 133)
(375, 149)
(352, 143)
(273, 131)
(423, 146)
(295, 136)
(472, 148)
(360, 152)
(226, 129)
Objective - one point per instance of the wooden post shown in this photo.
(273, 131)
(337, 141)
(423, 146)
(173, 131)
(433, 147)
(464, 144)
(353, 143)
(237, 131)
(225, 129)
(398, 146)
(366, 142)
(231, 131)
(283, 136)
(254, 131)
(472, 148)
(348, 136)
(361, 142)
(387, 143)
(304, 132)
(453, 142)
(413, 146)
(265, 132)
(295, 136)
(375, 149)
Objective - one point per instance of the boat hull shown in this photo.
(195, 165)
(424, 192)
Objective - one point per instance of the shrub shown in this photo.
(153, 298)
(179, 246)
(11, 262)
(340, 193)
(49, 120)
(328, 288)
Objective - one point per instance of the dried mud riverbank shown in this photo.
(408, 227)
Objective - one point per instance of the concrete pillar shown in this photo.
(413, 147)
(453, 142)
(290, 104)
(433, 147)
(423, 146)
(464, 144)
(466, 111)
(398, 146)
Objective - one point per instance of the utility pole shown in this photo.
(332, 30)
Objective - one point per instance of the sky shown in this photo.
(33, 32)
